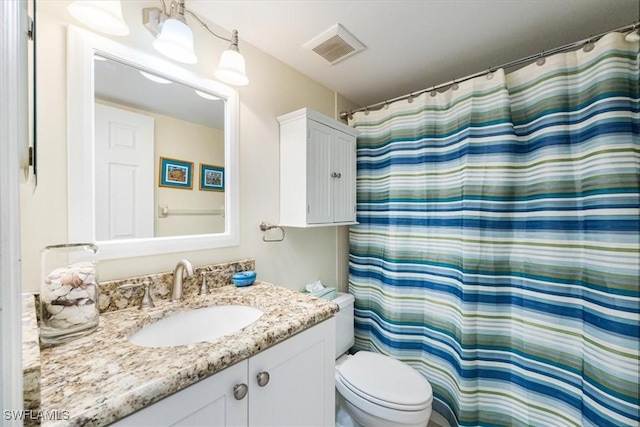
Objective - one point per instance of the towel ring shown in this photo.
(265, 226)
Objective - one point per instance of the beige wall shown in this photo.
(304, 256)
(197, 144)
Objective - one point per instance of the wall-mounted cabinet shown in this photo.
(317, 170)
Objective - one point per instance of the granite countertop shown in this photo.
(100, 378)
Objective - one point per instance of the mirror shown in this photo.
(145, 125)
(153, 152)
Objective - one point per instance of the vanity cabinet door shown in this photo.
(292, 383)
(210, 402)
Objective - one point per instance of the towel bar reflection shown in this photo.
(165, 211)
(265, 226)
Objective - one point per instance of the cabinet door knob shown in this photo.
(240, 391)
(336, 175)
(263, 379)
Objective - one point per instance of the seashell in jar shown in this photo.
(77, 293)
(54, 284)
(59, 323)
(76, 316)
(46, 297)
(88, 310)
(91, 292)
(54, 309)
(61, 291)
(66, 313)
(63, 301)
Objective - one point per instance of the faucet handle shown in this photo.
(203, 287)
(146, 301)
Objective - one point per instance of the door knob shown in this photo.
(240, 391)
(263, 379)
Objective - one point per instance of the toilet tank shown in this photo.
(344, 323)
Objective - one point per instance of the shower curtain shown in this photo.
(498, 245)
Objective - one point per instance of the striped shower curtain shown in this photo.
(498, 244)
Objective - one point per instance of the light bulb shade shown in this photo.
(175, 41)
(633, 36)
(101, 15)
(154, 78)
(231, 68)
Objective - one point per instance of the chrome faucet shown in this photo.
(184, 265)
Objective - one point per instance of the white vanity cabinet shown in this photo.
(317, 170)
(301, 380)
(289, 384)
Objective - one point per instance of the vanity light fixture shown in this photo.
(101, 15)
(174, 39)
(155, 78)
(206, 95)
(633, 35)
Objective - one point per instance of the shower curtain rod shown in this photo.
(521, 61)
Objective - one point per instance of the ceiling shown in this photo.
(123, 84)
(412, 45)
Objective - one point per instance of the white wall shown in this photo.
(274, 89)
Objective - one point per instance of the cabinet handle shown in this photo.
(336, 175)
(263, 379)
(240, 391)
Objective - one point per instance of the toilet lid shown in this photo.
(385, 381)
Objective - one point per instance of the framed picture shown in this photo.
(211, 177)
(175, 173)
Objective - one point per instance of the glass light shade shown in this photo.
(633, 36)
(101, 15)
(231, 68)
(155, 78)
(206, 95)
(175, 41)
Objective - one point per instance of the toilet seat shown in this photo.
(384, 381)
(385, 387)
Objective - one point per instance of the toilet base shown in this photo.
(348, 415)
(343, 418)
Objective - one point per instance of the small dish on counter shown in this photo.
(244, 278)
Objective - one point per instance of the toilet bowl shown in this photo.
(374, 390)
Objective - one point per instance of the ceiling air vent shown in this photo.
(335, 44)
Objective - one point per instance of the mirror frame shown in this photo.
(82, 45)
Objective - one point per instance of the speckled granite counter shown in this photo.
(102, 377)
(30, 354)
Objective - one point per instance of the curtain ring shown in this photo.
(410, 100)
(490, 74)
(386, 105)
(455, 85)
(541, 61)
(433, 92)
(588, 47)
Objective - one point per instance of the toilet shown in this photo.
(374, 390)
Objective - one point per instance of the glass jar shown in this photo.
(68, 292)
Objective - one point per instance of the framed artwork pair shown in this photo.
(176, 173)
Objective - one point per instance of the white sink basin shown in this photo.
(202, 324)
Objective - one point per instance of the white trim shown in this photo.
(81, 47)
(13, 139)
